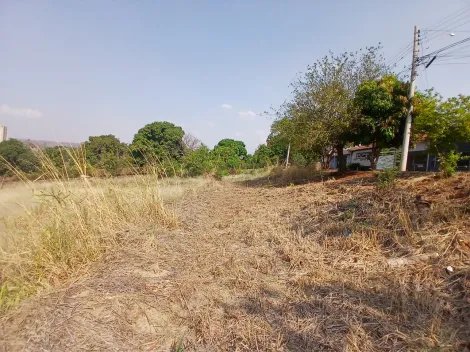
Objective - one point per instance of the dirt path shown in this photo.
(159, 291)
(236, 275)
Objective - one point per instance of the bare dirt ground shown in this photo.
(252, 267)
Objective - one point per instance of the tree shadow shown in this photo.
(330, 317)
(286, 178)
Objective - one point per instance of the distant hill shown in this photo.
(48, 144)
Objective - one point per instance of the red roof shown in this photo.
(359, 147)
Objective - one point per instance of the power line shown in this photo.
(453, 63)
(434, 53)
(446, 19)
(445, 22)
(459, 49)
(401, 53)
(406, 50)
(445, 31)
(425, 69)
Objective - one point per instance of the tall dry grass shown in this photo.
(71, 225)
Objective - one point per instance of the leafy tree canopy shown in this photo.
(262, 156)
(18, 155)
(383, 104)
(102, 147)
(198, 161)
(106, 152)
(226, 157)
(440, 123)
(322, 112)
(237, 147)
(160, 139)
(65, 159)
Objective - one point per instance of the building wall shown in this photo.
(3, 133)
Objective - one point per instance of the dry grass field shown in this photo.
(240, 265)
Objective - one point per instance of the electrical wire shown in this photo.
(405, 69)
(402, 53)
(448, 22)
(443, 30)
(453, 63)
(445, 19)
(460, 50)
(450, 28)
(399, 56)
(434, 53)
(425, 69)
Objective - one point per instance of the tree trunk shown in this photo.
(341, 160)
(326, 160)
(372, 157)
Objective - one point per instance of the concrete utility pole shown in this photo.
(288, 154)
(411, 93)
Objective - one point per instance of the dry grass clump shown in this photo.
(71, 224)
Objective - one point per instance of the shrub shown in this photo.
(198, 162)
(386, 179)
(220, 173)
(448, 162)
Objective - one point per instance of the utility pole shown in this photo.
(411, 93)
(288, 154)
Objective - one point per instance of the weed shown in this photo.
(448, 162)
(386, 179)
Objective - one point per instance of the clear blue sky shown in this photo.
(71, 69)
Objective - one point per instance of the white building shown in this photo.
(3, 133)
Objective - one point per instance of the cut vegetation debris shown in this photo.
(250, 267)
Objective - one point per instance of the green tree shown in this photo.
(226, 157)
(442, 124)
(106, 152)
(64, 159)
(14, 153)
(158, 139)
(238, 147)
(322, 113)
(383, 106)
(198, 162)
(279, 139)
(262, 156)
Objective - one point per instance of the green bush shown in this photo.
(386, 179)
(220, 173)
(448, 162)
(299, 160)
(198, 162)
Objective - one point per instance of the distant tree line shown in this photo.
(162, 146)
